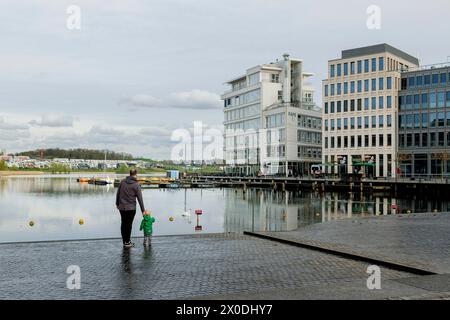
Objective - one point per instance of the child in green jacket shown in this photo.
(147, 227)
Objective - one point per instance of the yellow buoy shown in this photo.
(31, 223)
(170, 219)
(81, 222)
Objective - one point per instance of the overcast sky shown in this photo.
(137, 70)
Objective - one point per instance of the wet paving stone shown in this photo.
(174, 267)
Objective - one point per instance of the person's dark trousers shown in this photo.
(127, 224)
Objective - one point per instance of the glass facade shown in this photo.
(424, 117)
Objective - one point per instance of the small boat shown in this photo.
(83, 180)
(100, 181)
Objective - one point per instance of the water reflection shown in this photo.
(55, 205)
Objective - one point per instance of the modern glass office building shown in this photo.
(424, 122)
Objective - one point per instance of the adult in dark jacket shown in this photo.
(129, 190)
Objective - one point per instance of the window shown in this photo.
(332, 71)
(435, 78)
(427, 79)
(332, 90)
(419, 81)
(326, 90)
(408, 102)
(401, 140)
(389, 102)
(366, 122)
(374, 64)
(448, 98)
(374, 121)
(359, 141)
(433, 118)
(374, 84)
(389, 83)
(416, 101)
(424, 100)
(366, 103)
(381, 121)
(432, 139)
(401, 121)
(359, 123)
(339, 124)
(345, 123)
(345, 69)
(411, 82)
(359, 104)
(374, 140)
(366, 85)
(424, 139)
(359, 67)
(352, 141)
(416, 121)
(381, 63)
(441, 119)
(389, 120)
(381, 84)
(409, 140)
(408, 121)
(326, 124)
(352, 87)
(440, 99)
(325, 107)
(352, 67)
(332, 107)
(381, 102)
(424, 120)
(352, 105)
(374, 103)
(339, 106)
(380, 140)
(345, 105)
(443, 78)
(389, 140)
(366, 65)
(352, 123)
(432, 99)
(345, 87)
(403, 84)
(366, 140)
(332, 125)
(339, 89)
(359, 86)
(441, 139)
(339, 70)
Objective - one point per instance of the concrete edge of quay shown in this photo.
(114, 238)
(346, 254)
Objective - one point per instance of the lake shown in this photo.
(56, 203)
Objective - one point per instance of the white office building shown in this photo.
(272, 124)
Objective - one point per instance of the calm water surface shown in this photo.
(56, 204)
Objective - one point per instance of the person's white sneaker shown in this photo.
(128, 244)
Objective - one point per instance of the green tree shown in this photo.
(3, 165)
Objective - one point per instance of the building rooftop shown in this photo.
(378, 48)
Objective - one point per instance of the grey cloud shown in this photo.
(54, 121)
(194, 99)
(11, 126)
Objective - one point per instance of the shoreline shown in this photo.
(20, 173)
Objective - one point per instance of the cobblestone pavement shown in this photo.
(421, 240)
(175, 267)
